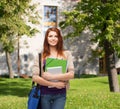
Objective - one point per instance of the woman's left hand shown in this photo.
(48, 76)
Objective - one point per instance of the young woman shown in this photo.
(54, 97)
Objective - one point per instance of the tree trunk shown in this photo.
(111, 70)
(18, 55)
(110, 62)
(8, 61)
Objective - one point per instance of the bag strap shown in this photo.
(40, 69)
(40, 59)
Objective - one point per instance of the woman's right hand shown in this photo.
(59, 85)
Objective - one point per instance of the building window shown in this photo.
(25, 57)
(102, 66)
(50, 17)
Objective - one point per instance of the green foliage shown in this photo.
(15, 17)
(85, 93)
(96, 16)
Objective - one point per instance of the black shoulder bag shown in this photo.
(34, 94)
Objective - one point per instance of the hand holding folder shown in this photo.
(56, 65)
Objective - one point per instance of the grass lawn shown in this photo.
(85, 93)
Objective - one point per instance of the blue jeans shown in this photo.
(49, 101)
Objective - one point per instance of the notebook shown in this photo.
(56, 65)
(55, 70)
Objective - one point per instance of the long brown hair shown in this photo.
(59, 47)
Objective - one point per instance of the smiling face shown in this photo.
(52, 38)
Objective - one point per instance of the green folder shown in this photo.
(53, 62)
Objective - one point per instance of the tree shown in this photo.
(102, 17)
(15, 17)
